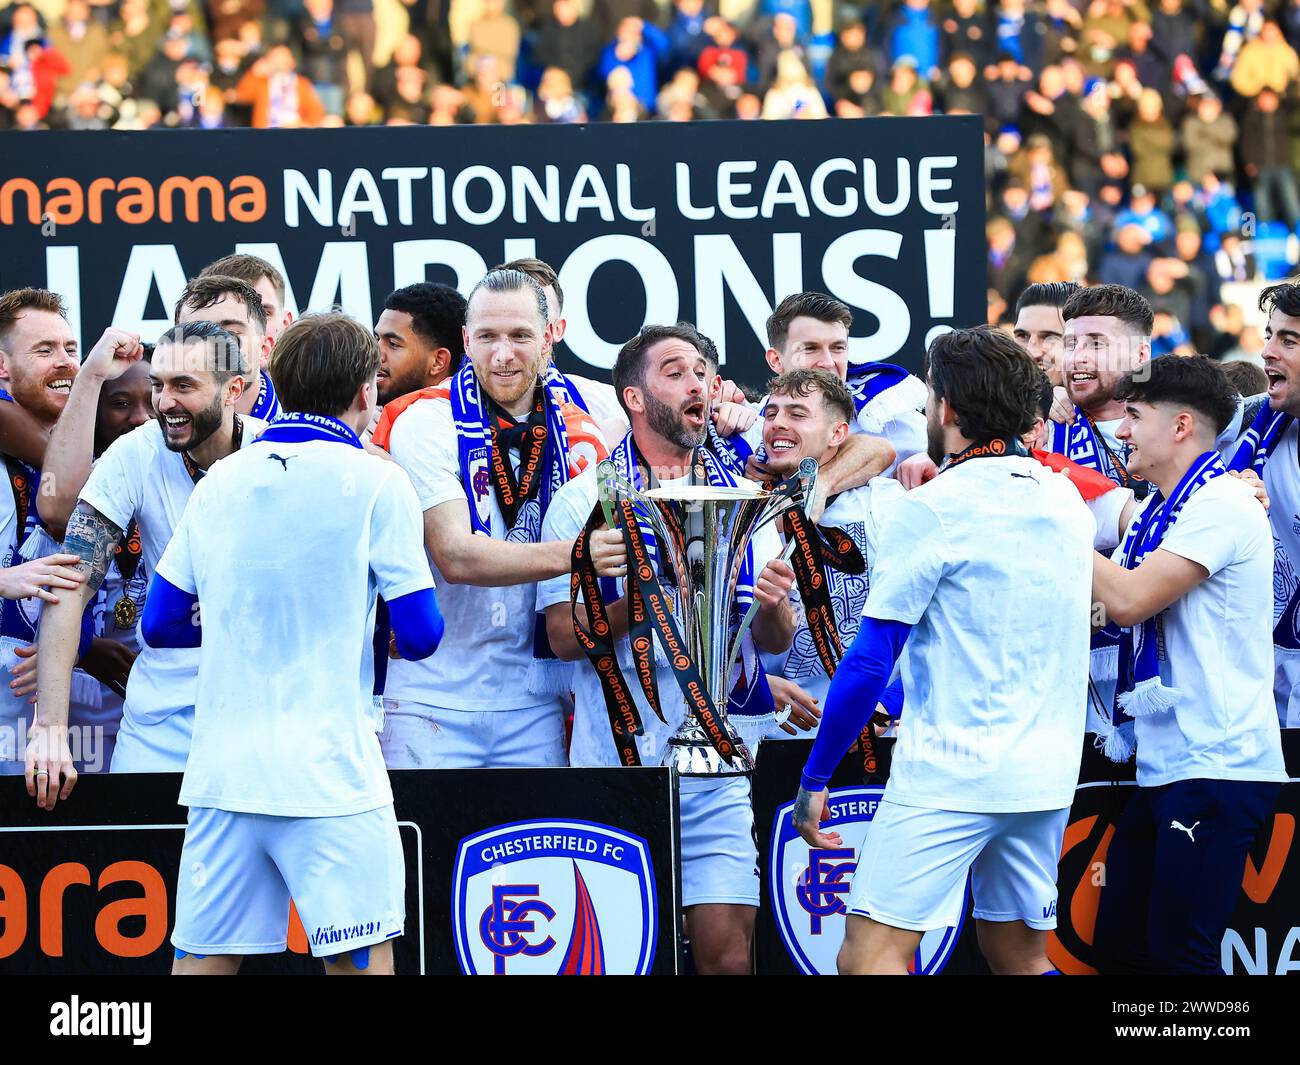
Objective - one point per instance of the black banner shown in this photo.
(493, 863)
(800, 924)
(710, 221)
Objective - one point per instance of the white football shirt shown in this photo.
(995, 701)
(1282, 479)
(1217, 649)
(138, 477)
(286, 546)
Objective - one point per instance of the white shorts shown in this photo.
(162, 747)
(346, 875)
(416, 736)
(719, 855)
(912, 870)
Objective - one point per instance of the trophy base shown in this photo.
(690, 753)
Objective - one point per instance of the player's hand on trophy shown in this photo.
(1251, 478)
(774, 583)
(914, 471)
(756, 471)
(49, 771)
(609, 553)
(801, 710)
(113, 354)
(810, 810)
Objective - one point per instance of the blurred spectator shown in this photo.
(966, 29)
(681, 100)
(323, 52)
(851, 53)
(1104, 31)
(406, 65)
(480, 95)
(915, 36)
(1266, 159)
(1126, 262)
(82, 42)
(24, 26)
(556, 101)
(1020, 33)
(568, 42)
(137, 34)
(280, 97)
(1267, 62)
(1006, 259)
(1037, 169)
(722, 67)
(621, 101)
(959, 91)
(638, 47)
(906, 94)
(1173, 31)
(40, 76)
(1245, 21)
(1006, 81)
(1143, 213)
(1209, 134)
(793, 94)
(686, 35)
(357, 21)
(1151, 143)
(495, 33)
(226, 16)
(158, 79)
(775, 35)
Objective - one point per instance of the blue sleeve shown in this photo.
(855, 691)
(657, 41)
(170, 619)
(417, 624)
(892, 698)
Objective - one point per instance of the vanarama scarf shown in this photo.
(882, 392)
(1083, 443)
(571, 443)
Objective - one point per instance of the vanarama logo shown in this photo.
(134, 200)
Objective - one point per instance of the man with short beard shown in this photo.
(146, 477)
(487, 450)
(666, 377)
(419, 335)
(241, 308)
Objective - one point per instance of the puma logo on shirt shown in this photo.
(281, 459)
(1184, 828)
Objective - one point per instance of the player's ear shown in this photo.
(839, 434)
(632, 399)
(774, 360)
(715, 387)
(439, 364)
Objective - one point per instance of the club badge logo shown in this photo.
(809, 887)
(566, 897)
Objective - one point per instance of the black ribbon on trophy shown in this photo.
(650, 613)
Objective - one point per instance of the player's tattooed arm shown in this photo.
(93, 538)
(810, 810)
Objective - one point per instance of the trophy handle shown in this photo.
(808, 475)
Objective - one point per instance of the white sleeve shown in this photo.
(423, 443)
(1107, 509)
(911, 558)
(1212, 530)
(564, 520)
(602, 402)
(116, 482)
(397, 556)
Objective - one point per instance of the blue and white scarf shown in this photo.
(877, 397)
(267, 407)
(474, 451)
(1140, 691)
(1257, 443)
(294, 427)
(1082, 443)
(750, 696)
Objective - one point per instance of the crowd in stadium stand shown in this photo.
(1155, 146)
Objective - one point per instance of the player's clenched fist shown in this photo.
(774, 583)
(113, 354)
(608, 552)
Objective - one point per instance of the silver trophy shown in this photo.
(702, 532)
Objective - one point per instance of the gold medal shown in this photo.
(125, 613)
